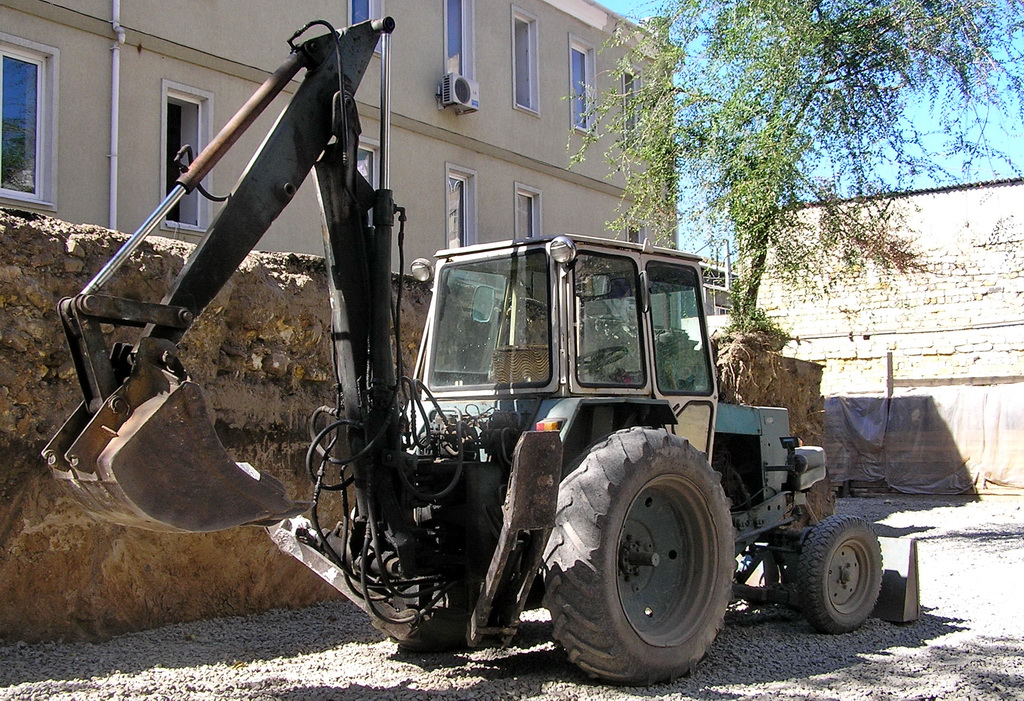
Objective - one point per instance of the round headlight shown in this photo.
(422, 269)
(562, 249)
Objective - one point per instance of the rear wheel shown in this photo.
(839, 574)
(639, 566)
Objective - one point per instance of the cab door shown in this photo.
(682, 373)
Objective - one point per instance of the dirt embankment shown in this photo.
(751, 372)
(261, 356)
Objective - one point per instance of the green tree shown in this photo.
(749, 111)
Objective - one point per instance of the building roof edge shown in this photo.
(593, 13)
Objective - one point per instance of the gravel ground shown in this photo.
(967, 645)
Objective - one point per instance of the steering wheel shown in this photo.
(603, 356)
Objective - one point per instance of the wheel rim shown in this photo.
(847, 577)
(665, 558)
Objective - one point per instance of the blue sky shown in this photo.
(1005, 133)
(629, 8)
(634, 9)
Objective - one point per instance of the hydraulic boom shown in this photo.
(141, 450)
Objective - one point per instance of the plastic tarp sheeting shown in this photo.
(939, 440)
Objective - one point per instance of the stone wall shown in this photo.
(958, 320)
(260, 354)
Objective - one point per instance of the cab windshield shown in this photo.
(492, 323)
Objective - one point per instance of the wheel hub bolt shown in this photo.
(642, 559)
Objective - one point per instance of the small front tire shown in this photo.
(839, 574)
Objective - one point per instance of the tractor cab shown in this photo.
(585, 334)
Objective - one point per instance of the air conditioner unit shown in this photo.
(460, 92)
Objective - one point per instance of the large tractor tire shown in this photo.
(839, 574)
(638, 570)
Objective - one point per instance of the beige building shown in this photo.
(98, 94)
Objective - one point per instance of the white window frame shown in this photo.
(469, 229)
(468, 61)
(203, 99)
(631, 84)
(372, 146)
(376, 9)
(47, 59)
(531, 72)
(637, 234)
(534, 195)
(582, 121)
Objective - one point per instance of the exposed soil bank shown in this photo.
(260, 354)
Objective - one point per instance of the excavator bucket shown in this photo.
(149, 457)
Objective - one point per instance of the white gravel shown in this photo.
(967, 645)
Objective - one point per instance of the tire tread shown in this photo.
(589, 643)
(816, 548)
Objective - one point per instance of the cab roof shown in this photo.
(589, 241)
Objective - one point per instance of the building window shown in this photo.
(460, 206)
(28, 111)
(458, 37)
(367, 158)
(186, 123)
(362, 10)
(637, 234)
(524, 61)
(630, 93)
(581, 84)
(527, 212)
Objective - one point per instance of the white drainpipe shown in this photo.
(115, 111)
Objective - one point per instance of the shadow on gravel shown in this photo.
(995, 540)
(877, 509)
(758, 646)
(979, 669)
(762, 646)
(242, 639)
(765, 645)
(893, 532)
(533, 650)
(986, 538)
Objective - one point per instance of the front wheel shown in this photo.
(839, 574)
(638, 569)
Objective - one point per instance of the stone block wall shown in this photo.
(957, 320)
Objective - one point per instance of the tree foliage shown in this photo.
(749, 111)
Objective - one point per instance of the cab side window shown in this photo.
(679, 353)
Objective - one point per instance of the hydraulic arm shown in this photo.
(141, 450)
